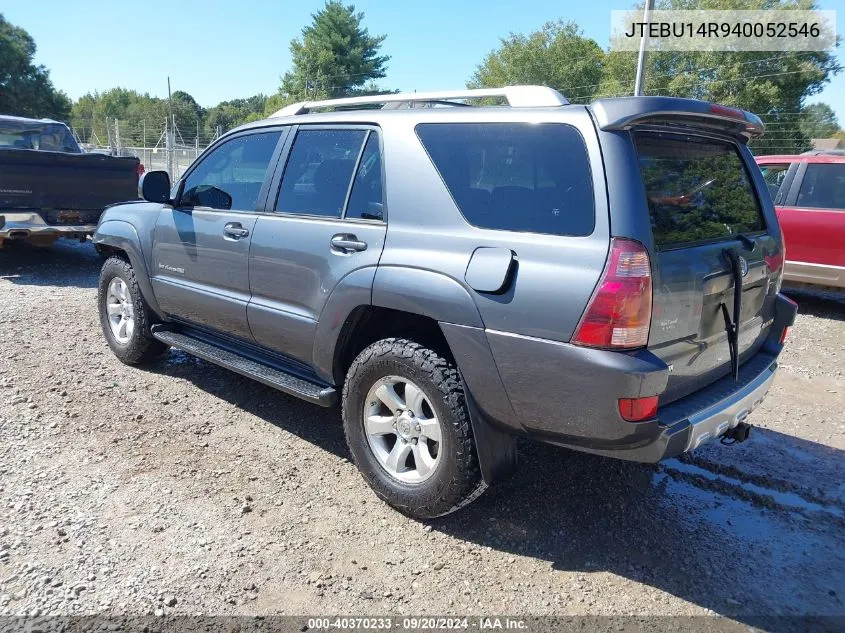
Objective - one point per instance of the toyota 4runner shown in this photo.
(602, 277)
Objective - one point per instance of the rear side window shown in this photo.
(698, 189)
(515, 176)
(319, 171)
(823, 187)
(366, 198)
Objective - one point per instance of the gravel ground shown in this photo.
(185, 489)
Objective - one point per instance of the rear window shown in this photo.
(698, 189)
(515, 176)
(38, 135)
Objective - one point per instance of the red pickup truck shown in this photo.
(809, 195)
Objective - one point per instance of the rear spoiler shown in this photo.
(623, 113)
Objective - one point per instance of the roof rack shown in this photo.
(516, 96)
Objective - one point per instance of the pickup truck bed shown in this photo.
(45, 195)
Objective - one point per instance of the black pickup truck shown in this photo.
(49, 188)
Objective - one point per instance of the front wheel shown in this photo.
(407, 427)
(124, 315)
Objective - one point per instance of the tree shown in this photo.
(26, 89)
(335, 55)
(819, 121)
(773, 85)
(558, 55)
(229, 114)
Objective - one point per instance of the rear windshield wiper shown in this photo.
(732, 325)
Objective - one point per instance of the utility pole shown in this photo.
(641, 60)
(117, 135)
(169, 138)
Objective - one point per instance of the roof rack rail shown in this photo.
(516, 96)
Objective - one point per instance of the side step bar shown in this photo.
(270, 376)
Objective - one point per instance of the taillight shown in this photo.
(783, 334)
(638, 409)
(619, 312)
(140, 169)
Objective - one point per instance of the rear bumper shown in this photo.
(688, 423)
(568, 395)
(23, 225)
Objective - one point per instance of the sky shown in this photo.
(223, 49)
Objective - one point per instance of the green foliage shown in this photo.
(229, 114)
(819, 121)
(335, 56)
(26, 89)
(143, 118)
(772, 85)
(558, 55)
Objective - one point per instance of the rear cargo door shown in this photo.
(707, 221)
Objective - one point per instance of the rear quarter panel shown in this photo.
(554, 275)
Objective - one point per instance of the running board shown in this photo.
(270, 376)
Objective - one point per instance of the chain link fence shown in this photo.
(154, 158)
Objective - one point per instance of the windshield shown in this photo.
(698, 189)
(37, 135)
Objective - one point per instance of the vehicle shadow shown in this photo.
(65, 263)
(315, 424)
(732, 530)
(827, 304)
(713, 536)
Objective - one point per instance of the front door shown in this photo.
(201, 245)
(328, 222)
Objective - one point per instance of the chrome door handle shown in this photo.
(348, 243)
(235, 230)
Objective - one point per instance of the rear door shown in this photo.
(704, 197)
(813, 216)
(325, 220)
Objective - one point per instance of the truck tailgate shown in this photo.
(44, 181)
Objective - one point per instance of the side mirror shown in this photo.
(154, 186)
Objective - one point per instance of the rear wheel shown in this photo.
(407, 427)
(124, 315)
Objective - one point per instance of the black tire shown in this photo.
(456, 480)
(142, 347)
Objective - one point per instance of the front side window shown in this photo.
(231, 176)
(823, 186)
(698, 189)
(319, 171)
(515, 176)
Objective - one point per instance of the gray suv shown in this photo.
(602, 277)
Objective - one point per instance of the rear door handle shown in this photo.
(347, 243)
(235, 231)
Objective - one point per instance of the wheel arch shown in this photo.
(419, 295)
(119, 236)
